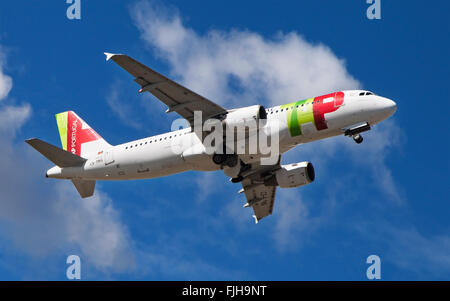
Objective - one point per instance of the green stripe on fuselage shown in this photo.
(298, 113)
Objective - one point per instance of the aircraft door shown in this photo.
(109, 156)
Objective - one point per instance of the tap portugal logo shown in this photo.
(72, 141)
(74, 137)
(311, 110)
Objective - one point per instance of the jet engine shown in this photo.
(292, 175)
(245, 118)
(236, 125)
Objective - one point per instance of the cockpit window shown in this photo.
(369, 93)
(366, 93)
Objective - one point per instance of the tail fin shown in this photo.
(78, 137)
(63, 158)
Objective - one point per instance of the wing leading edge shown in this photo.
(178, 98)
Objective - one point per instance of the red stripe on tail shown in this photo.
(76, 135)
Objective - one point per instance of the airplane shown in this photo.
(86, 157)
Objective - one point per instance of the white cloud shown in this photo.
(409, 248)
(121, 109)
(238, 68)
(45, 217)
(95, 226)
(292, 220)
(5, 80)
(416, 252)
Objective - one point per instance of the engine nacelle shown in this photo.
(292, 175)
(247, 117)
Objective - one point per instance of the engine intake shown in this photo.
(292, 175)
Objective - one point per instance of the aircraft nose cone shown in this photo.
(382, 108)
(390, 106)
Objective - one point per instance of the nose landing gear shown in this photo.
(358, 138)
(355, 131)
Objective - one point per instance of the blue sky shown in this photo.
(388, 196)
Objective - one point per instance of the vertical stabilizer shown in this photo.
(78, 137)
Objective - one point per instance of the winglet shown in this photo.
(109, 55)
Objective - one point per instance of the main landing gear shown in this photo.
(230, 160)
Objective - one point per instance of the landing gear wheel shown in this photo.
(224, 159)
(358, 138)
(231, 160)
(219, 158)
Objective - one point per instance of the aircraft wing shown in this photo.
(259, 196)
(178, 98)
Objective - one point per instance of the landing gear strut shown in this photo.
(358, 138)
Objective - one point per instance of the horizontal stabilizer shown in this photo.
(85, 187)
(55, 154)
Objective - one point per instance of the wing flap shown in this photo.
(260, 197)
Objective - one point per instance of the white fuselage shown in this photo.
(162, 155)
